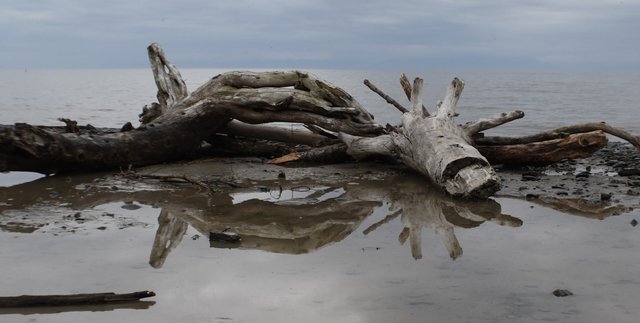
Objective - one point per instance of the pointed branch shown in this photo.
(406, 87)
(416, 98)
(483, 124)
(387, 98)
(171, 86)
(448, 107)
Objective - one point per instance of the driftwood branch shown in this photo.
(561, 133)
(406, 87)
(74, 299)
(546, 152)
(387, 98)
(485, 124)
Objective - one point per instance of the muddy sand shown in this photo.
(351, 243)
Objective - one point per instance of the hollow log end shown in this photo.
(474, 181)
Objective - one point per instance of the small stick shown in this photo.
(387, 98)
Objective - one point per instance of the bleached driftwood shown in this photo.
(176, 127)
(436, 146)
(225, 110)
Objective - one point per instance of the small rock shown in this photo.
(101, 228)
(130, 206)
(530, 178)
(619, 165)
(633, 193)
(281, 175)
(562, 293)
(531, 196)
(605, 196)
(583, 175)
(228, 237)
(629, 172)
(126, 127)
(634, 222)
(195, 237)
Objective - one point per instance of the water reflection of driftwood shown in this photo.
(296, 225)
(419, 206)
(140, 305)
(290, 226)
(589, 209)
(169, 235)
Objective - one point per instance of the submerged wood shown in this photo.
(73, 299)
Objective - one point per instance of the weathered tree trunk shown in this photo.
(176, 127)
(546, 152)
(435, 146)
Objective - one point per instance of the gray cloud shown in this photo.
(289, 33)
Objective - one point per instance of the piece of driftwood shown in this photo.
(224, 116)
(546, 152)
(72, 299)
(435, 146)
(176, 127)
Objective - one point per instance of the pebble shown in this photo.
(562, 293)
(629, 172)
(583, 175)
(130, 206)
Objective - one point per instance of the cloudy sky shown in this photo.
(549, 34)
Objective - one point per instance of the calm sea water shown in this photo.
(550, 99)
(69, 234)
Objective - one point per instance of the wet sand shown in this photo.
(343, 243)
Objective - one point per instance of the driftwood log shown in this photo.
(73, 299)
(226, 116)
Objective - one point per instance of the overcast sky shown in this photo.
(554, 34)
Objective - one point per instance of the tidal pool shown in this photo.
(384, 247)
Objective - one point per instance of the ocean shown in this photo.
(329, 248)
(110, 98)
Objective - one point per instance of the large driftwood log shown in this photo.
(176, 127)
(437, 147)
(546, 152)
(212, 118)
